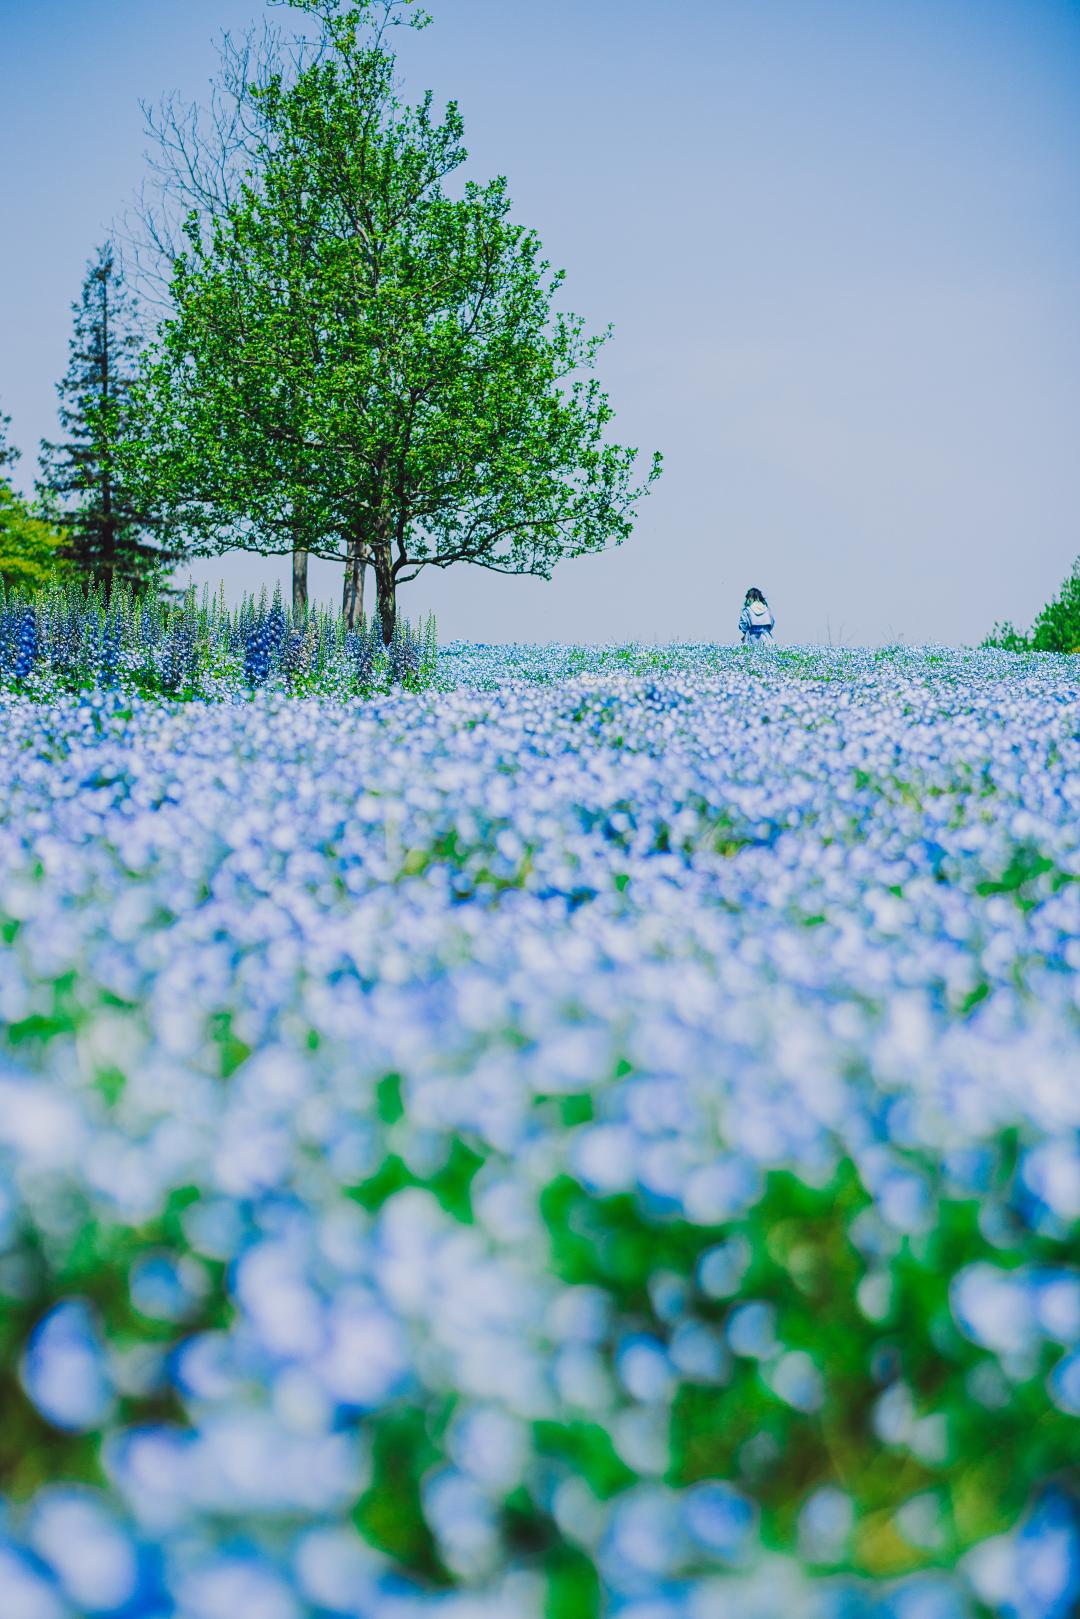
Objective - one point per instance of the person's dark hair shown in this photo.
(754, 594)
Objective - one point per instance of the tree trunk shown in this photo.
(106, 564)
(352, 597)
(386, 592)
(107, 533)
(299, 582)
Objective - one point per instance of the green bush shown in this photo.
(1056, 627)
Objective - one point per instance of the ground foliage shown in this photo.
(600, 1136)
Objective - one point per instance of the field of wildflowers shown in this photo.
(598, 1135)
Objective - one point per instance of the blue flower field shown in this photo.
(596, 1136)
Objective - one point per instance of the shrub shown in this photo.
(1056, 627)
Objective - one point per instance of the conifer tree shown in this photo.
(108, 535)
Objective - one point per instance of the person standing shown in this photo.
(756, 621)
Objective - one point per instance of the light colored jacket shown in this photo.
(755, 621)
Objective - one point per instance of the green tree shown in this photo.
(109, 533)
(1056, 627)
(31, 549)
(201, 159)
(353, 350)
(29, 546)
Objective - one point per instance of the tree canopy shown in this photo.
(360, 361)
(30, 546)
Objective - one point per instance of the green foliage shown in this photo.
(389, 1514)
(1056, 627)
(1006, 636)
(31, 549)
(110, 532)
(358, 361)
(29, 545)
(808, 1254)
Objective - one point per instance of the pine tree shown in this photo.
(107, 535)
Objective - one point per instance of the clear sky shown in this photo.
(839, 241)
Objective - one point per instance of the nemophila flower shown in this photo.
(605, 1124)
(28, 1588)
(751, 1330)
(721, 1519)
(825, 1523)
(97, 1562)
(222, 1587)
(65, 1370)
(1065, 1384)
(798, 1381)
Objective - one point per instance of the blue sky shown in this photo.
(839, 242)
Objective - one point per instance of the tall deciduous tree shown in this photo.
(351, 343)
(109, 533)
(201, 159)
